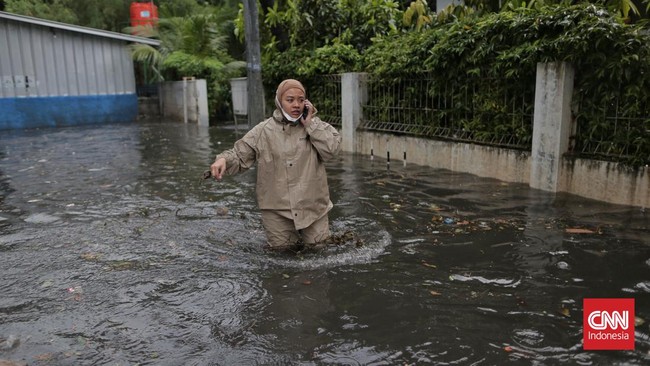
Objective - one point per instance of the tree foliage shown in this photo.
(56, 10)
(193, 47)
(306, 37)
(627, 10)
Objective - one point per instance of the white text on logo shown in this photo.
(599, 320)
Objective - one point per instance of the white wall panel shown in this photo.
(39, 87)
(90, 59)
(17, 71)
(44, 61)
(49, 81)
(129, 72)
(7, 89)
(27, 59)
(69, 65)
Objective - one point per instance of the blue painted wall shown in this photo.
(31, 112)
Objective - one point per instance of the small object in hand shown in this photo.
(207, 174)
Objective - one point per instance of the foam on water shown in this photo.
(374, 244)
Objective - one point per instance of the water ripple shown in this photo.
(503, 282)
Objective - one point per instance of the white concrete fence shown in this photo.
(545, 167)
(186, 101)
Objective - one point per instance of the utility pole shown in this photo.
(253, 64)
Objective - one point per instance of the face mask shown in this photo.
(289, 118)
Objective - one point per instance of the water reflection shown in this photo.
(114, 250)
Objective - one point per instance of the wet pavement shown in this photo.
(115, 251)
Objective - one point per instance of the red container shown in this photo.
(144, 14)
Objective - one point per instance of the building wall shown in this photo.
(53, 77)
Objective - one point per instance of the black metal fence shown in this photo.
(424, 107)
(325, 92)
(617, 129)
(487, 112)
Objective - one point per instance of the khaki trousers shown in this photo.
(281, 232)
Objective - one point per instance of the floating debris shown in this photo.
(424, 263)
(563, 265)
(336, 240)
(564, 311)
(76, 289)
(76, 293)
(41, 218)
(126, 265)
(487, 281)
(92, 257)
(575, 230)
(347, 237)
(442, 224)
(638, 321)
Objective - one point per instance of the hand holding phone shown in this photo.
(307, 112)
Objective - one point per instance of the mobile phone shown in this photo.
(305, 112)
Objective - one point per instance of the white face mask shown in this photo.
(288, 117)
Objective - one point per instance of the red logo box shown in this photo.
(608, 324)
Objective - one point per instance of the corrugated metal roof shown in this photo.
(79, 29)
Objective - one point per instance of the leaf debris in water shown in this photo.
(429, 265)
(577, 230)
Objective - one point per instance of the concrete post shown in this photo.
(203, 118)
(354, 94)
(551, 124)
(185, 99)
(254, 64)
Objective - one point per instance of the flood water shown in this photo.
(114, 251)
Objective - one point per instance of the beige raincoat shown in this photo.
(290, 171)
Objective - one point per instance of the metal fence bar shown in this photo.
(614, 135)
(420, 107)
(325, 92)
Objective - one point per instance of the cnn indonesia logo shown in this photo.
(608, 324)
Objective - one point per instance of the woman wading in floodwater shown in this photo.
(290, 149)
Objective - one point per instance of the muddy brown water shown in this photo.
(114, 251)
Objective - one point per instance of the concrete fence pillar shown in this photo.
(551, 124)
(185, 100)
(202, 112)
(354, 94)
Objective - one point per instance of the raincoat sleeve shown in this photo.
(325, 138)
(243, 154)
